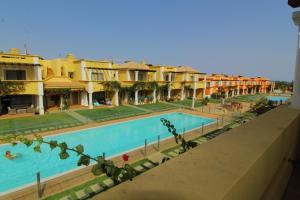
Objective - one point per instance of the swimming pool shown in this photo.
(277, 98)
(112, 139)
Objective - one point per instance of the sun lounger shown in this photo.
(198, 142)
(147, 165)
(96, 188)
(172, 154)
(108, 182)
(139, 168)
(178, 151)
(158, 158)
(66, 198)
(82, 194)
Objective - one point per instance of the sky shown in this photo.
(235, 37)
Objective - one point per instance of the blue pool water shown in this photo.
(111, 139)
(277, 98)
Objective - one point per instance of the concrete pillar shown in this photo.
(170, 77)
(82, 68)
(169, 92)
(117, 75)
(161, 74)
(136, 99)
(117, 98)
(128, 75)
(90, 89)
(154, 76)
(84, 99)
(204, 88)
(154, 95)
(38, 77)
(61, 102)
(41, 104)
(90, 100)
(194, 97)
(136, 75)
(109, 71)
(182, 96)
(237, 92)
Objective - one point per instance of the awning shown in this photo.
(19, 64)
(62, 82)
(144, 70)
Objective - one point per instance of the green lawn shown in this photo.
(35, 124)
(210, 100)
(188, 103)
(248, 98)
(157, 107)
(106, 114)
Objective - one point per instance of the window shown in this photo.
(71, 75)
(166, 77)
(141, 76)
(97, 76)
(15, 75)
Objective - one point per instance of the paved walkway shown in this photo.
(139, 108)
(178, 105)
(79, 117)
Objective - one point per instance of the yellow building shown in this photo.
(83, 82)
(26, 69)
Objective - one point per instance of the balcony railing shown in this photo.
(30, 86)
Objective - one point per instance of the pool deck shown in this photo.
(80, 176)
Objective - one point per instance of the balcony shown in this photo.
(30, 86)
(249, 162)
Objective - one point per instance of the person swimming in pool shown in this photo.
(9, 155)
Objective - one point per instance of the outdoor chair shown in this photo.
(11, 111)
(96, 103)
(82, 194)
(30, 109)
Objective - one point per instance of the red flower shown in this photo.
(125, 157)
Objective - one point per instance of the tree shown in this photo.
(186, 145)
(117, 174)
(112, 86)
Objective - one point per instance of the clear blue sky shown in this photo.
(248, 37)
